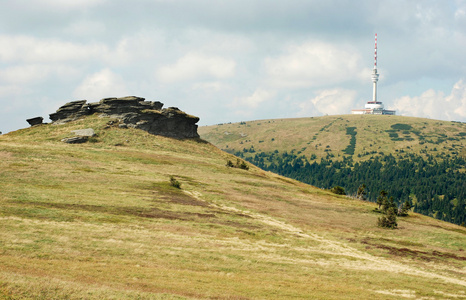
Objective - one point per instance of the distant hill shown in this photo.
(331, 136)
(105, 219)
(417, 160)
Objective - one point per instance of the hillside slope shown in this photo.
(416, 160)
(101, 220)
(329, 136)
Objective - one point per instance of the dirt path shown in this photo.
(365, 261)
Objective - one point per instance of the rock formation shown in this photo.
(81, 136)
(134, 112)
(89, 132)
(35, 121)
(76, 140)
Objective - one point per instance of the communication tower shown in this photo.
(374, 107)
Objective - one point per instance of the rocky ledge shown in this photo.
(135, 112)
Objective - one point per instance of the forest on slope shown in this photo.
(416, 160)
(432, 188)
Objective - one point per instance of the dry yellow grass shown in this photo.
(100, 220)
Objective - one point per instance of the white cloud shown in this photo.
(213, 41)
(213, 86)
(259, 96)
(65, 4)
(34, 50)
(102, 84)
(85, 28)
(141, 48)
(332, 102)
(435, 104)
(313, 64)
(10, 91)
(458, 99)
(246, 106)
(197, 66)
(36, 73)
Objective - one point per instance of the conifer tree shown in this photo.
(381, 198)
(361, 193)
(405, 207)
(388, 220)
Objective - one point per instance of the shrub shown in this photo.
(241, 164)
(338, 190)
(175, 183)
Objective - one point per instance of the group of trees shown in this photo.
(390, 210)
(432, 187)
(386, 206)
(241, 164)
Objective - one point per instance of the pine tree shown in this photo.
(385, 205)
(361, 193)
(381, 198)
(389, 220)
(404, 209)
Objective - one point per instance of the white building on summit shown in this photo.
(374, 107)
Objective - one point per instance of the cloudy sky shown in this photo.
(230, 61)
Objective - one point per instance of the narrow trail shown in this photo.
(332, 247)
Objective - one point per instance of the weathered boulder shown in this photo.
(76, 140)
(35, 121)
(134, 112)
(89, 132)
(81, 136)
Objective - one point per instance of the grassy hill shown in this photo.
(331, 135)
(101, 221)
(416, 160)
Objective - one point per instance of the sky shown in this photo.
(231, 61)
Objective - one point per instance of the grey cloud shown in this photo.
(205, 56)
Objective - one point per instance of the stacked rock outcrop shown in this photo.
(70, 112)
(135, 112)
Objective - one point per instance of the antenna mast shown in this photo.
(375, 75)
